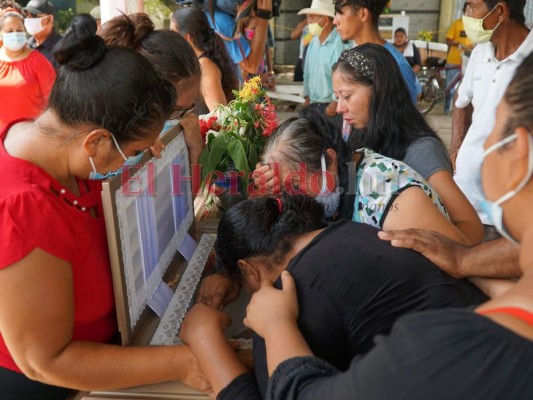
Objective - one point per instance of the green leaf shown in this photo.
(252, 156)
(217, 148)
(237, 152)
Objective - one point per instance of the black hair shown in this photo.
(305, 140)
(87, 20)
(376, 7)
(516, 8)
(257, 228)
(394, 122)
(194, 22)
(168, 52)
(518, 98)
(400, 30)
(112, 88)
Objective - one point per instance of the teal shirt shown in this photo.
(319, 60)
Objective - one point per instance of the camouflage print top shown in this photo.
(380, 180)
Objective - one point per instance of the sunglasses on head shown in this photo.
(179, 113)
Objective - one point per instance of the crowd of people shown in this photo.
(341, 305)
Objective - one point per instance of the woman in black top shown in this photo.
(408, 49)
(447, 354)
(351, 285)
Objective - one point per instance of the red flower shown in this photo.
(206, 126)
(268, 118)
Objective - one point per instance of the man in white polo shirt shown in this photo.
(498, 26)
(504, 42)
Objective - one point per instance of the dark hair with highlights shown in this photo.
(194, 22)
(394, 122)
(257, 228)
(168, 52)
(305, 140)
(112, 88)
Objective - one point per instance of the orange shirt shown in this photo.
(24, 87)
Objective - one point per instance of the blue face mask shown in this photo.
(330, 200)
(494, 209)
(169, 123)
(133, 160)
(14, 41)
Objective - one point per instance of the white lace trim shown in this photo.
(138, 292)
(167, 331)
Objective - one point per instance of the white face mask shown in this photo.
(330, 200)
(494, 209)
(475, 31)
(14, 41)
(33, 25)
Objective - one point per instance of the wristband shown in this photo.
(263, 14)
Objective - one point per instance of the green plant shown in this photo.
(426, 36)
(64, 19)
(235, 134)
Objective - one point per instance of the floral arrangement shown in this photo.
(235, 134)
(426, 36)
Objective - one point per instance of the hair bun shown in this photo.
(80, 48)
(127, 30)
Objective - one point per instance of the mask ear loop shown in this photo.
(324, 187)
(526, 179)
(490, 12)
(92, 164)
(118, 147)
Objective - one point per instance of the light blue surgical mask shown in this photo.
(494, 209)
(133, 160)
(169, 123)
(14, 41)
(329, 199)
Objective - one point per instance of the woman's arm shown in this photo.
(192, 136)
(37, 319)
(272, 314)
(462, 214)
(297, 32)
(46, 76)
(414, 209)
(211, 85)
(257, 47)
(203, 330)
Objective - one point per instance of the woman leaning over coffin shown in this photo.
(374, 101)
(174, 59)
(57, 313)
(486, 352)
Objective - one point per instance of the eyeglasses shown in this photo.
(179, 113)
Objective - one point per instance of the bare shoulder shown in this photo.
(209, 67)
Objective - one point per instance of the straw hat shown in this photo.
(320, 7)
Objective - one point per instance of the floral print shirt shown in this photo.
(380, 180)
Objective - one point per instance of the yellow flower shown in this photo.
(251, 89)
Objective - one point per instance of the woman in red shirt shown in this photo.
(26, 76)
(56, 299)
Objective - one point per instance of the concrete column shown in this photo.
(447, 8)
(111, 8)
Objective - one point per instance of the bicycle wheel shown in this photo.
(429, 95)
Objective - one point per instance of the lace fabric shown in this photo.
(149, 236)
(167, 331)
